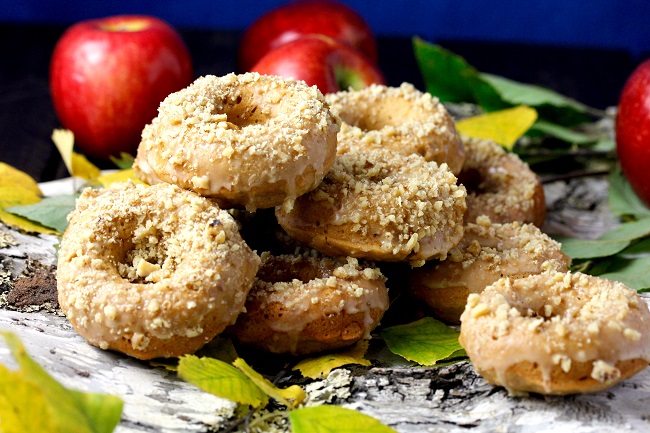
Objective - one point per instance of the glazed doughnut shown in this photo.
(152, 271)
(401, 119)
(380, 205)
(245, 140)
(303, 304)
(500, 185)
(487, 252)
(556, 333)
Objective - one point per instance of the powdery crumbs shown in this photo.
(35, 289)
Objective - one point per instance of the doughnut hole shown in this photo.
(474, 183)
(390, 112)
(241, 110)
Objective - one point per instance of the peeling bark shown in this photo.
(410, 399)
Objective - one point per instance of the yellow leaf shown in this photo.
(44, 405)
(76, 163)
(23, 407)
(64, 141)
(11, 177)
(283, 395)
(17, 188)
(503, 126)
(320, 367)
(83, 168)
(118, 176)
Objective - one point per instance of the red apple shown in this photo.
(299, 18)
(321, 61)
(633, 131)
(108, 76)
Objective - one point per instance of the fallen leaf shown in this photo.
(221, 379)
(83, 168)
(330, 419)
(124, 162)
(320, 367)
(32, 400)
(612, 242)
(633, 272)
(425, 341)
(118, 176)
(622, 199)
(290, 397)
(11, 177)
(503, 126)
(64, 141)
(77, 164)
(51, 212)
(17, 188)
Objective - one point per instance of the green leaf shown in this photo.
(623, 201)
(50, 212)
(446, 75)
(551, 104)
(563, 133)
(452, 79)
(69, 411)
(124, 162)
(290, 397)
(633, 272)
(334, 419)
(642, 247)
(221, 379)
(425, 341)
(612, 242)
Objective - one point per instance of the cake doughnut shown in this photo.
(306, 303)
(245, 140)
(556, 333)
(152, 271)
(380, 205)
(500, 185)
(488, 251)
(401, 119)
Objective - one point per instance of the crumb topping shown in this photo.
(556, 318)
(143, 263)
(226, 137)
(398, 205)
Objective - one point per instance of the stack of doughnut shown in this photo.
(343, 184)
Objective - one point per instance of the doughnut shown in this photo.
(500, 185)
(556, 333)
(245, 140)
(152, 271)
(302, 304)
(488, 251)
(380, 205)
(402, 119)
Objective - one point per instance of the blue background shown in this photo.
(615, 24)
